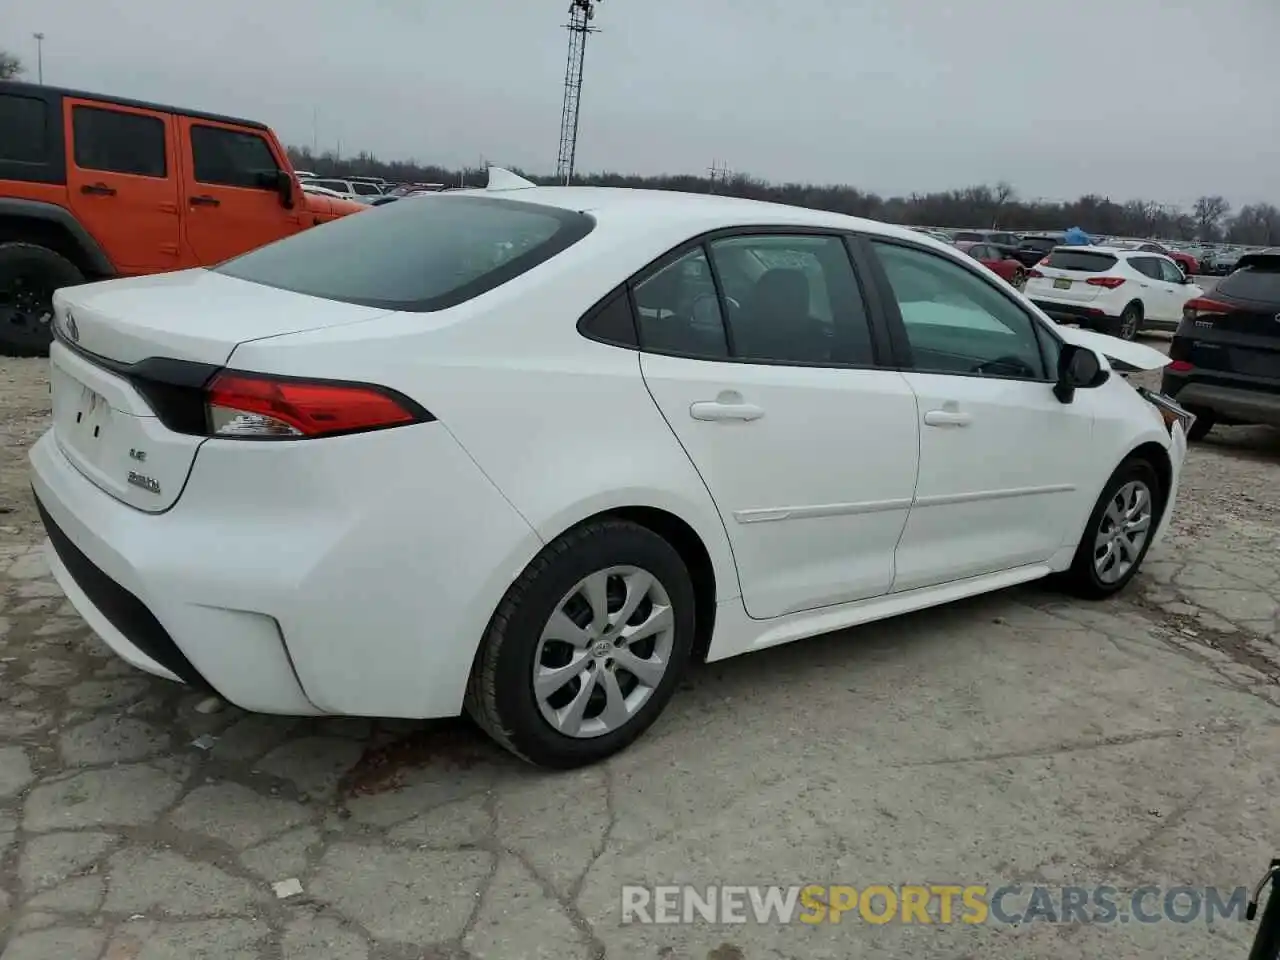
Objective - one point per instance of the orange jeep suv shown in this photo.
(93, 187)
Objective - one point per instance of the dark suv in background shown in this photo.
(1225, 356)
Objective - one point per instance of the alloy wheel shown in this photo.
(1122, 532)
(26, 308)
(1129, 325)
(603, 651)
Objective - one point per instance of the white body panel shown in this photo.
(357, 574)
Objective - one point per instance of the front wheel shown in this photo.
(1119, 532)
(29, 275)
(586, 647)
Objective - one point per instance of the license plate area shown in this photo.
(82, 416)
(1061, 283)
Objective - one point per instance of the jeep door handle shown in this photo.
(98, 189)
(205, 201)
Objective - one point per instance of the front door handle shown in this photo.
(205, 201)
(947, 418)
(716, 410)
(98, 189)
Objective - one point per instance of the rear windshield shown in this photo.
(967, 237)
(423, 254)
(1080, 260)
(1040, 243)
(1254, 283)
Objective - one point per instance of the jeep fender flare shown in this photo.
(52, 213)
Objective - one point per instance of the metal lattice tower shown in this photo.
(581, 13)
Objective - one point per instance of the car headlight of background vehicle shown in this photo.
(1170, 410)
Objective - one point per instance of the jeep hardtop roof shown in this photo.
(47, 92)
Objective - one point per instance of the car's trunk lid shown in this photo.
(101, 420)
(194, 315)
(1065, 275)
(1235, 329)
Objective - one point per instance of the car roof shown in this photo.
(625, 207)
(41, 91)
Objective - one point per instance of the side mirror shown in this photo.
(285, 186)
(1079, 368)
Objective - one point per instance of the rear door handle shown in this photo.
(205, 201)
(947, 418)
(715, 410)
(98, 189)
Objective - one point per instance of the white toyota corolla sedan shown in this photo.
(525, 452)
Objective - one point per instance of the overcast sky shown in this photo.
(1162, 99)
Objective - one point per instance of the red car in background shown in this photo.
(998, 260)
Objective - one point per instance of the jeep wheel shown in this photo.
(28, 276)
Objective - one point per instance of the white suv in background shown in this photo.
(1111, 290)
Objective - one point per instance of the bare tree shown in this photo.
(1208, 213)
(1001, 195)
(10, 66)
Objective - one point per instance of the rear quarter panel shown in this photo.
(562, 425)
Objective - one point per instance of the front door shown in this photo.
(231, 202)
(765, 372)
(122, 180)
(1003, 463)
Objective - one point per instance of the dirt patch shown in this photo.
(24, 415)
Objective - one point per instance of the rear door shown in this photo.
(766, 372)
(122, 182)
(230, 200)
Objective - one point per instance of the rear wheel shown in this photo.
(29, 274)
(1019, 279)
(1118, 533)
(586, 647)
(1127, 326)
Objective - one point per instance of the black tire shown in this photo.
(1127, 325)
(500, 696)
(1082, 578)
(29, 274)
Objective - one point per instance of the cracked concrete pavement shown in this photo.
(1015, 738)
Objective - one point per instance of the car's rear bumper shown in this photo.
(1070, 312)
(1231, 403)
(329, 577)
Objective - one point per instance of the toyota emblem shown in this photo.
(73, 331)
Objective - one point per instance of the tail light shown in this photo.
(1181, 366)
(1109, 282)
(256, 407)
(1033, 272)
(1203, 307)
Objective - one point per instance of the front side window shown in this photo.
(678, 311)
(428, 255)
(792, 299)
(956, 322)
(233, 158)
(365, 189)
(114, 141)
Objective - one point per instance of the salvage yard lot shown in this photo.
(1018, 738)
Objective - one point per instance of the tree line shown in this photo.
(1210, 218)
(988, 206)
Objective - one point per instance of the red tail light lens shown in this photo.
(1181, 366)
(1033, 272)
(254, 407)
(1202, 307)
(1109, 282)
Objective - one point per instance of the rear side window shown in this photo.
(24, 129)
(1081, 260)
(366, 189)
(1253, 283)
(232, 158)
(427, 254)
(678, 310)
(116, 142)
